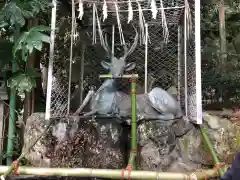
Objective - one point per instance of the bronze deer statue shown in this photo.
(158, 104)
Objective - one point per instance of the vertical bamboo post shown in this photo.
(12, 118)
(133, 153)
(210, 148)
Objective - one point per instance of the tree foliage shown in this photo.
(30, 40)
(13, 18)
(16, 12)
(217, 74)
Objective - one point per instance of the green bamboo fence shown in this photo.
(116, 174)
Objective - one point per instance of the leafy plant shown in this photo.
(13, 20)
(219, 77)
(30, 40)
(15, 12)
(13, 16)
(23, 81)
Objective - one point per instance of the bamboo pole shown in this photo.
(110, 173)
(23, 154)
(122, 76)
(12, 118)
(133, 153)
(210, 147)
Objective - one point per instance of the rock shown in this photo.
(181, 166)
(223, 113)
(35, 125)
(181, 127)
(150, 155)
(157, 141)
(172, 90)
(224, 136)
(163, 146)
(84, 143)
(186, 150)
(213, 121)
(191, 148)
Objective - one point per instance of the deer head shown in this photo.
(118, 65)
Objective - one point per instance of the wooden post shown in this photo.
(223, 47)
(29, 101)
(82, 73)
(4, 97)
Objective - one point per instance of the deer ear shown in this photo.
(130, 66)
(105, 65)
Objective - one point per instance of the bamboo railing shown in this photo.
(129, 172)
(111, 174)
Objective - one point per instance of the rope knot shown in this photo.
(15, 165)
(219, 166)
(129, 168)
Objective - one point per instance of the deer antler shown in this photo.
(106, 46)
(126, 51)
(151, 81)
(133, 47)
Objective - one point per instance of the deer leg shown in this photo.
(166, 117)
(85, 102)
(163, 117)
(90, 113)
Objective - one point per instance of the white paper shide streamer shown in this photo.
(80, 9)
(154, 9)
(105, 13)
(99, 26)
(141, 23)
(119, 25)
(130, 11)
(96, 20)
(164, 23)
(188, 18)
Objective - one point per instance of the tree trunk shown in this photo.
(223, 48)
(29, 98)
